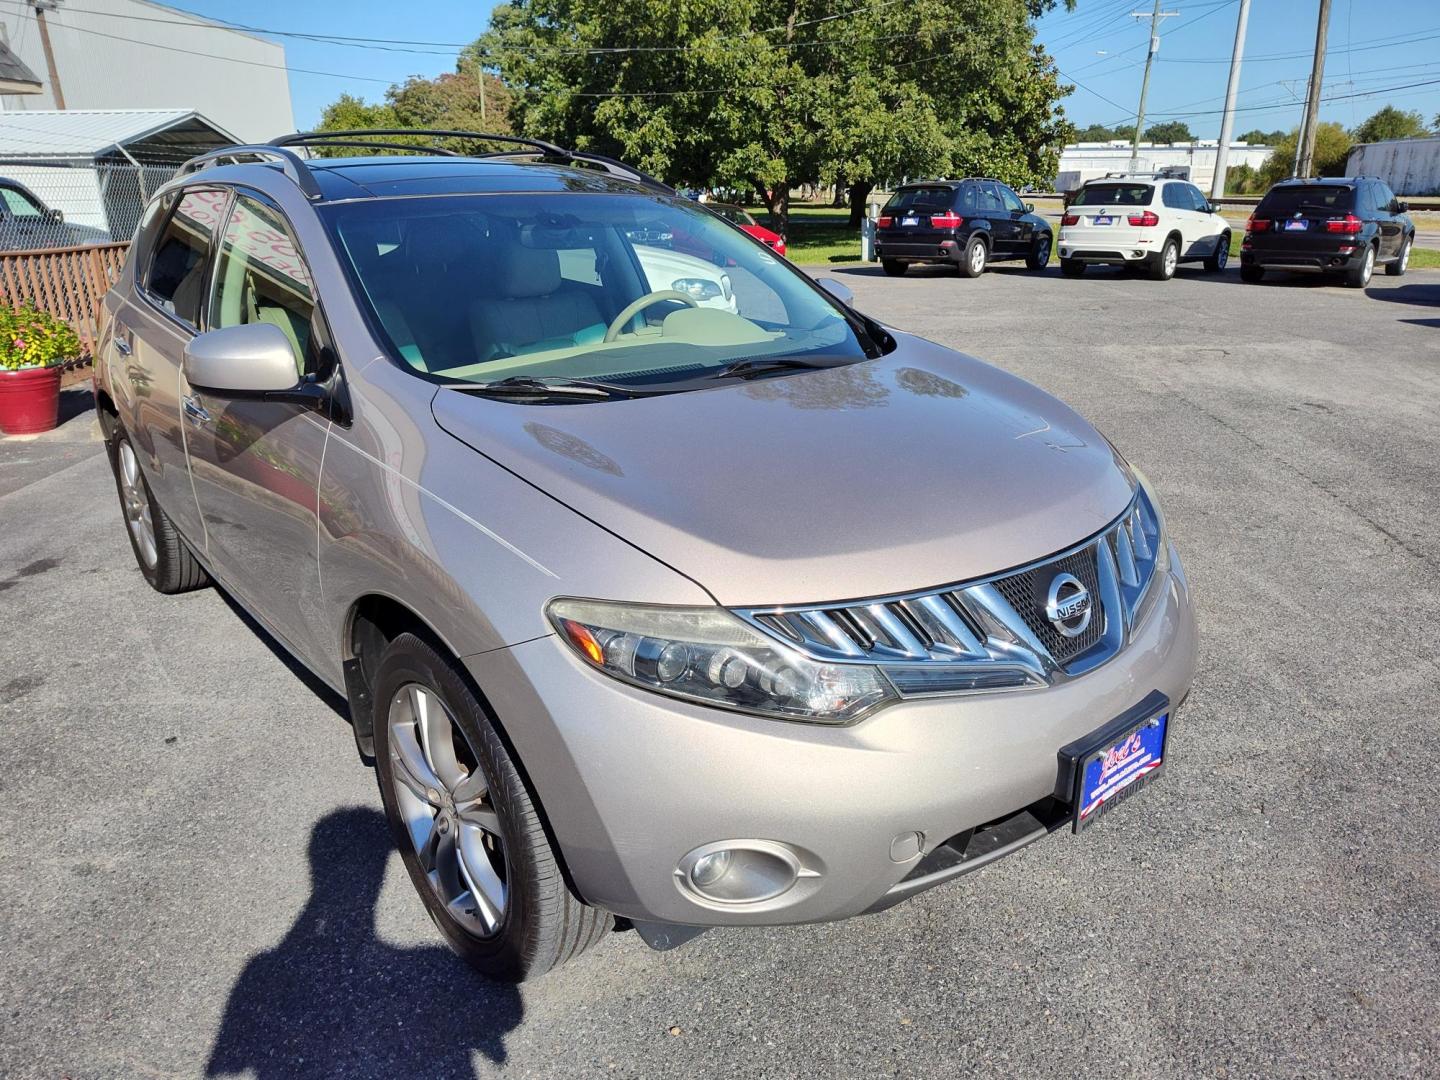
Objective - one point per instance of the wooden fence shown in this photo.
(70, 283)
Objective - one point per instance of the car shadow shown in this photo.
(332, 999)
(1423, 294)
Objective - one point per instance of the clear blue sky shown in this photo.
(1379, 45)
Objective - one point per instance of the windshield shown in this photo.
(733, 214)
(1114, 195)
(1316, 197)
(920, 198)
(634, 289)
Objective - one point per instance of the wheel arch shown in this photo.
(373, 621)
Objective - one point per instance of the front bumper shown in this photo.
(631, 781)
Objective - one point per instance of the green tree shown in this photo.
(753, 96)
(1332, 147)
(1256, 137)
(450, 101)
(1241, 180)
(1391, 123)
(1095, 133)
(1170, 131)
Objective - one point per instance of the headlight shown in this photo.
(697, 287)
(710, 656)
(1142, 550)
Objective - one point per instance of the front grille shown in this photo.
(1026, 593)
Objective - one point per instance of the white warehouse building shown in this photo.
(1088, 160)
(132, 54)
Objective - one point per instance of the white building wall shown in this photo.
(130, 54)
(1409, 166)
(1085, 161)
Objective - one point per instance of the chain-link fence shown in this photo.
(49, 206)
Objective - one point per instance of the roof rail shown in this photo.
(527, 147)
(293, 164)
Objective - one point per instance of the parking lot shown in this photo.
(195, 877)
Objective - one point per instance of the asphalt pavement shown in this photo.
(195, 879)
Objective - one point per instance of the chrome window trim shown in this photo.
(969, 627)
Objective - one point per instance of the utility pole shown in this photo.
(1227, 120)
(1154, 17)
(42, 6)
(1305, 151)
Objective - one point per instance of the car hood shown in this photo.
(920, 468)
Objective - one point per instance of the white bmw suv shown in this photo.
(1142, 219)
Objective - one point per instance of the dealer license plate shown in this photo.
(910, 221)
(1112, 764)
(1102, 220)
(1296, 225)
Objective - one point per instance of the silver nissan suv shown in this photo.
(667, 590)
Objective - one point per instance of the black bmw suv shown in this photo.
(968, 223)
(1343, 226)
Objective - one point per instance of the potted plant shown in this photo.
(33, 345)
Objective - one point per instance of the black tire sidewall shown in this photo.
(1033, 260)
(409, 659)
(150, 573)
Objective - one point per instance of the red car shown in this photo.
(741, 217)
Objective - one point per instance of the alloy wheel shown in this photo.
(977, 258)
(1172, 259)
(444, 799)
(136, 499)
(1222, 254)
(1369, 265)
(1405, 257)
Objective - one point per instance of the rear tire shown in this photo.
(1162, 268)
(163, 558)
(525, 920)
(1359, 276)
(1072, 267)
(1252, 274)
(894, 267)
(1039, 254)
(972, 262)
(1401, 263)
(1217, 262)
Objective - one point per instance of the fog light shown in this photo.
(709, 869)
(740, 871)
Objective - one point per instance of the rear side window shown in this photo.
(921, 199)
(1321, 197)
(1114, 195)
(176, 277)
(1175, 197)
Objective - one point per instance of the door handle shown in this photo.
(194, 410)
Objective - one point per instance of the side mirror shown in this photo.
(55, 216)
(837, 290)
(1029, 208)
(1398, 207)
(253, 360)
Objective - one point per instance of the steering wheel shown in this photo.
(633, 309)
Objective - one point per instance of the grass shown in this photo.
(821, 236)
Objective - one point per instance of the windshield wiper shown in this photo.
(763, 365)
(546, 386)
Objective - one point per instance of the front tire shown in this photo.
(1072, 267)
(972, 263)
(1163, 267)
(161, 554)
(1039, 255)
(1401, 263)
(1220, 258)
(467, 829)
(894, 267)
(1358, 277)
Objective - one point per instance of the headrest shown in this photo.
(522, 271)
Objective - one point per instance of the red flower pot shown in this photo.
(29, 400)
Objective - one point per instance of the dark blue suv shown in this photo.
(968, 223)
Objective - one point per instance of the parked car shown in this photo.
(1143, 219)
(747, 223)
(26, 222)
(644, 610)
(966, 223)
(668, 269)
(1342, 226)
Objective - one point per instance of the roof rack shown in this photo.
(298, 168)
